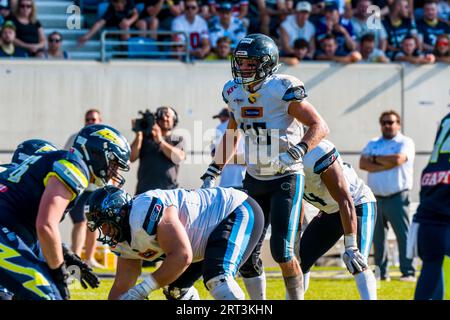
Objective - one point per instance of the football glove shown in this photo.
(142, 290)
(353, 259)
(88, 277)
(60, 277)
(209, 177)
(411, 245)
(175, 293)
(294, 155)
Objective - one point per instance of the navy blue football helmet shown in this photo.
(104, 150)
(108, 205)
(260, 48)
(30, 147)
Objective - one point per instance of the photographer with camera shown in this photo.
(158, 150)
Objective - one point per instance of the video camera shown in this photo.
(145, 123)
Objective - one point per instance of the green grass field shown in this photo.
(321, 287)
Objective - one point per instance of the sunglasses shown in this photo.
(389, 122)
(191, 8)
(28, 6)
(55, 40)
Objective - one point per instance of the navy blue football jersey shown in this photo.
(22, 186)
(435, 180)
(431, 32)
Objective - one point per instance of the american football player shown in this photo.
(270, 110)
(347, 208)
(218, 226)
(429, 236)
(33, 198)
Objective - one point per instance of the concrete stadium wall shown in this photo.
(47, 99)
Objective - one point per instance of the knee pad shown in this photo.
(251, 269)
(225, 288)
(175, 293)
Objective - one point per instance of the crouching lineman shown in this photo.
(218, 226)
(347, 207)
(429, 236)
(33, 198)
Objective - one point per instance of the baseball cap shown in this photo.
(225, 6)
(9, 24)
(331, 5)
(303, 6)
(223, 113)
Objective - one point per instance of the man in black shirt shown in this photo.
(159, 153)
(430, 27)
(7, 47)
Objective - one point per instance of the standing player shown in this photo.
(219, 226)
(347, 208)
(33, 198)
(430, 232)
(270, 109)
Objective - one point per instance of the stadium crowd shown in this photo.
(414, 31)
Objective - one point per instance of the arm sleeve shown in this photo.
(153, 216)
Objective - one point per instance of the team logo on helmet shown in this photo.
(46, 148)
(109, 135)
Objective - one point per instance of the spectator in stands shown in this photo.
(179, 49)
(121, 14)
(159, 153)
(410, 53)
(29, 32)
(295, 27)
(398, 26)
(226, 26)
(80, 233)
(148, 18)
(271, 13)
(444, 10)
(300, 53)
(196, 28)
(222, 51)
(240, 9)
(441, 49)
(170, 9)
(4, 11)
(390, 158)
(368, 50)
(329, 51)
(362, 25)
(54, 50)
(429, 28)
(317, 11)
(7, 47)
(341, 29)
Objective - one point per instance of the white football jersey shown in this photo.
(263, 116)
(196, 30)
(316, 193)
(200, 211)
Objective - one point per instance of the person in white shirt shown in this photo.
(226, 25)
(389, 160)
(297, 26)
(195, 27)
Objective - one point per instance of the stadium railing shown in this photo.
(142, 47)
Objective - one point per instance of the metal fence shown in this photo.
(139, 45)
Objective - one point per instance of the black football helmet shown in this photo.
(257, 47)
(30, 147)
(108, 205)
(102, 147)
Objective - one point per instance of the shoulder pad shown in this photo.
(72, 171)
(153, 216)
(297, 93)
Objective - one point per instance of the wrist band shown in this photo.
(150, 284)
(350, 241)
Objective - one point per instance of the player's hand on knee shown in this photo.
(60, 277)
(210, 176)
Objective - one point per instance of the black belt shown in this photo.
(391, 195)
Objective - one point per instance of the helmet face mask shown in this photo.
(254, 59)
(105, 151)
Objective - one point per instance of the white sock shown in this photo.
(294, 287)
(256, 287)
(306, 280)
(366, 284)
